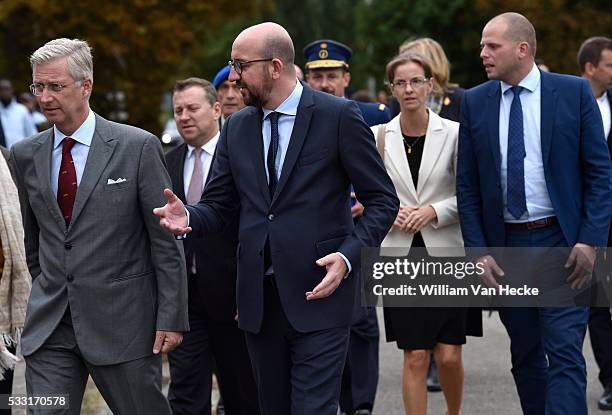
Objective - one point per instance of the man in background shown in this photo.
(595, 62)
(211, 272)
(15, 118)
(228, 94)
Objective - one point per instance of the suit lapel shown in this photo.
(394, 143)
(434, 143)
(298, 135)
(100, 152)
(176, 172)
(256, 148)
(492, 117)
(548, 105)
(42, 164)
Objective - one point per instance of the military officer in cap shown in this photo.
(228, 94)
(327, 70)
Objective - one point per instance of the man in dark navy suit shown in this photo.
(327, 71)
(534, 171)
(595, 62)
(211, 270)
(286, 163)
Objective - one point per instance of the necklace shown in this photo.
(414, 143)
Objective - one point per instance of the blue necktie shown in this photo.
(515, 181)
(272, 152)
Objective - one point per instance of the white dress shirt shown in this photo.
(536, 193)
(604, 108)
(83, 136)
(206, 155)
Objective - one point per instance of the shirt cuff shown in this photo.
(183, 236)
(348, 264)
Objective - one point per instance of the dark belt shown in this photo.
(536, 224)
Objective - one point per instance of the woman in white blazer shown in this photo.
(419, 149)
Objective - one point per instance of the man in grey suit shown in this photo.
(110, 289)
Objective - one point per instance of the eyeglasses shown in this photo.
(415, 83)
(239, 65)
(37, 88)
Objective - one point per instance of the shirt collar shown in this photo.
(84, 134)
(530, 82)
(209, 147)
(290, 105)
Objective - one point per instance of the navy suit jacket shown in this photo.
(215, 255)
(575, 156)
(309, 215)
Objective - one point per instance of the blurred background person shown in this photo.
(30, 103)
(228, 94)
(419, 150)
(595, 62)
(15, 280)
(16, 121)
(211, 271)
(542, 65)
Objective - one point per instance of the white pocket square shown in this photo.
(119, 180)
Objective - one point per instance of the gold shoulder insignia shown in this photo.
(381, 107)
(447, 101)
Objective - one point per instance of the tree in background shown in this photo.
(139, 46)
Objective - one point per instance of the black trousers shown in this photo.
(191, 365)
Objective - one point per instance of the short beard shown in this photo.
(257, 98)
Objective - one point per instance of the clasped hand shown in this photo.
(412, 220)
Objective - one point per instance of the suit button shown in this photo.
(68, 246)
(271, 217)
(70, 277)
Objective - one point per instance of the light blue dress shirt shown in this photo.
(538, 202)
(83, 136)
(286, 121)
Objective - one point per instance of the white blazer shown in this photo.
(436, 186)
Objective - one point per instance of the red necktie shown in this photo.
(67, 180)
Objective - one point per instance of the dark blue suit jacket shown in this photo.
(374, 114)
(309, 215)
(576, 162)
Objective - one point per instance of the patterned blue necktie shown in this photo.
(515, 181)
(272, 152)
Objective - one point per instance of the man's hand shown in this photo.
(357, 209)
(172, 216)
(336, 270)
(165, 341)
(491, 269)
(419, 218)
(402, 216)
(582, 257)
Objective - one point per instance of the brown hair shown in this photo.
(591, 49)
(440, 67)
(209, 90)
(407, 58)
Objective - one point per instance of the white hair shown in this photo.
(78, 52)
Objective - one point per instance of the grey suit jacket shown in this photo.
(120, 273)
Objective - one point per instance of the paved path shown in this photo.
(489, 388)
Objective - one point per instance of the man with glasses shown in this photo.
(286, 163)
(109, 290)
(327, 71)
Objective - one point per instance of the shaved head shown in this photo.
(270, 40)
(518, 29)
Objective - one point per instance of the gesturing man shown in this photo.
(109, 290)
(287, 163)
(534, 171)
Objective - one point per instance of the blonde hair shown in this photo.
(440, 67)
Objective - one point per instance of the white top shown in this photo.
(606, 116)
(17, 122)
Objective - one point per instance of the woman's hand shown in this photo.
(418, 218)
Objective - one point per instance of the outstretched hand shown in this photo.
(173, 216)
